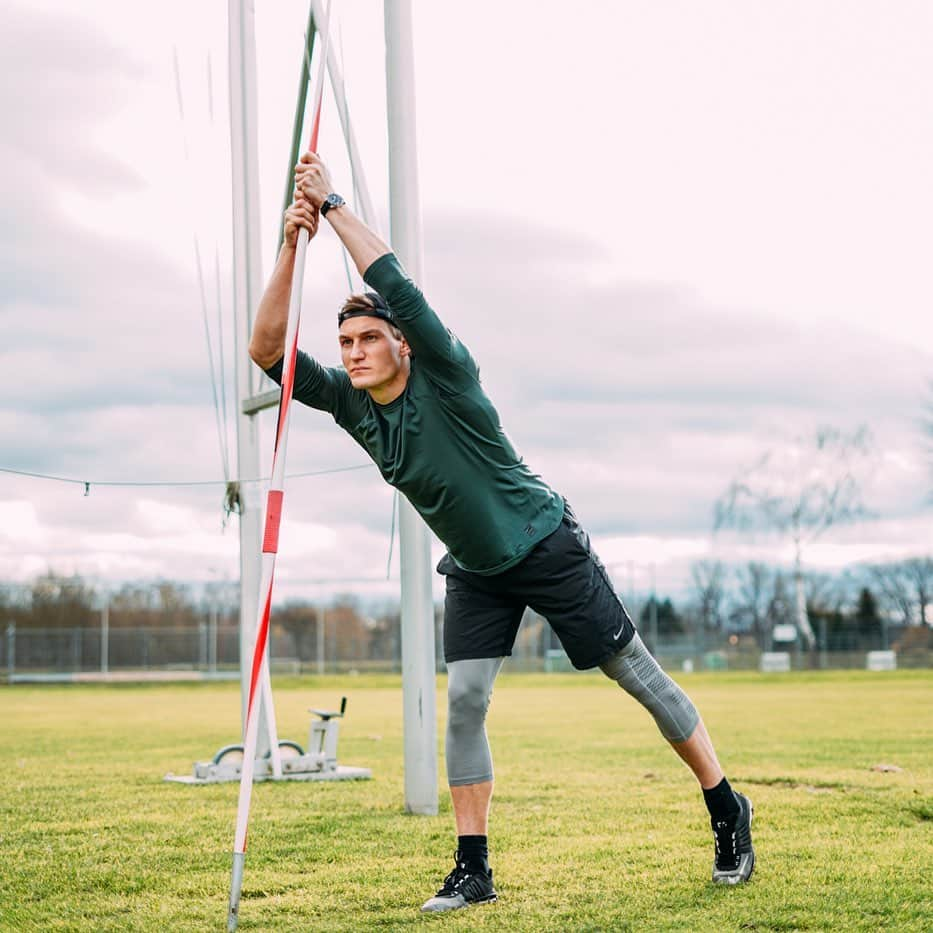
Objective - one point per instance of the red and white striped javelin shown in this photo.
(259, 682)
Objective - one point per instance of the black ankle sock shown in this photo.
(473, 851)
(721, 802)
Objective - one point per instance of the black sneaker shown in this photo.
(735, 857)
(461, 889)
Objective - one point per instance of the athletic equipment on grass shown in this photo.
(735, 856)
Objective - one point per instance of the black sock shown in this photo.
(473, 851)
(721, 802)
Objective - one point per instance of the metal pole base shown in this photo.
(236, 883)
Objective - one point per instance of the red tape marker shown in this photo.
(270, 541)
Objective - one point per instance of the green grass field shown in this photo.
(596, 824)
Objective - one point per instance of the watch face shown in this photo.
(332, 200)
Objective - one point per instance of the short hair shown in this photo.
(368, 304)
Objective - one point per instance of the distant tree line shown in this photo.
(345, 628)
(852, 610)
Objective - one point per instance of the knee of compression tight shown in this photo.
(467, 699)
(638, 673)
(469, 689)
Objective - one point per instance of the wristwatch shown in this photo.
(332, 200)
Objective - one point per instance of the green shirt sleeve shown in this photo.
(443, 357)
(322, 387)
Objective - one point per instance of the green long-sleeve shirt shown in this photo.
(440, 442)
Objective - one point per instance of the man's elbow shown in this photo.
(264, 355)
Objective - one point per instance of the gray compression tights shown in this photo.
(469, 689)
(638, 673)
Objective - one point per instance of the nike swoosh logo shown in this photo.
(618, 634)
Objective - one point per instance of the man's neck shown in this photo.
(390, 391)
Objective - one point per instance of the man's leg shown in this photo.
(471, 807)
(470, 775)
(566, 582)
(637, 672)
(700, 756)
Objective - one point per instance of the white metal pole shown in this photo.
(247, 282)
(418, 671)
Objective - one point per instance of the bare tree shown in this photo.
(894, 589)
(300, 619)
(755, 589)
(780, 608)
(60, 601)
(828, 592)
(919, 571)
(801, 490)
(906, 587)
(709, 579)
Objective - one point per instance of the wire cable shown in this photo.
(177, 483)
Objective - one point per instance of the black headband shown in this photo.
(380, 309)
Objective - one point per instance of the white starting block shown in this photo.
(881, 661)
(774, 662)
(318, 763)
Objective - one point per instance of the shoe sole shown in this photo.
(444, 910)
(730, 880)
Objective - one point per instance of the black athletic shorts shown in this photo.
(561, 579)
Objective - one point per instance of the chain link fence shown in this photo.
(212, 650)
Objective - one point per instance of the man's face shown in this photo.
(373, 357)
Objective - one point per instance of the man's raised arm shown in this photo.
(267, 342)
(433, 344)
(313, 183)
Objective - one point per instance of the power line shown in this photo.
(87, 484)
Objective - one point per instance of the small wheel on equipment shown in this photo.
(229, 755)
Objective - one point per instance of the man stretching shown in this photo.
(409, 394)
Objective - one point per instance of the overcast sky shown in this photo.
(674, 235)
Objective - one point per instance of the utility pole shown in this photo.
(247, 281)
(418, 671)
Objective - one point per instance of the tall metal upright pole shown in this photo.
(418, 673)
(247, 282)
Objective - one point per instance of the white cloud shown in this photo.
(19, 525)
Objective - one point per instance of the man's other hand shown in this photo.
(300, 213)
